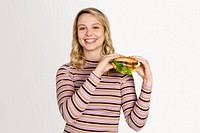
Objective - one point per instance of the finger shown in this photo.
(143, 62)
(140, 59)
(115, 55)
(112, 56)
(110, 66)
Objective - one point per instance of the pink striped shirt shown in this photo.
(90, 104)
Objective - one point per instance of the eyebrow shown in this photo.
(92, 24)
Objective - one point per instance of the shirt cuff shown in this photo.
(94, 78)
(146, 87)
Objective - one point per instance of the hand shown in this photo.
(104, 64)
(144, 70)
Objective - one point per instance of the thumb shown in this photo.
(109, 66)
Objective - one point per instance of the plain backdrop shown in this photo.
(35, 40)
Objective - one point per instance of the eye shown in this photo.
(81, 28)
(96, 27)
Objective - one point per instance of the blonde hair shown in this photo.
(77, 56)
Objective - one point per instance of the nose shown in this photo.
(89, 32)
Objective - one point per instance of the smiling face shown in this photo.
(90, 33)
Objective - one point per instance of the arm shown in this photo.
(136, 110)
(72, 103)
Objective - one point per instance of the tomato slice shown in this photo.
(130, 66)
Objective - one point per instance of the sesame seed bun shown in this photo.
(125, 65)
(126, 59)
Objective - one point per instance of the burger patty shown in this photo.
(128, 63)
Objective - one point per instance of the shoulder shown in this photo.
(65, 68)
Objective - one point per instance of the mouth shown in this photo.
(90, 40)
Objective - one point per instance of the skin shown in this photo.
(144, 70)
(91, 37)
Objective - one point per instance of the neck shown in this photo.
(93, 55)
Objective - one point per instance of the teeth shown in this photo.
(90, 40)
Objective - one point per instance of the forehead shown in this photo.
(87, 18)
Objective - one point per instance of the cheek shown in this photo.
(80, 36)
(101, 35)
(80, 41)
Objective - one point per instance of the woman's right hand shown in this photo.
(104, 64)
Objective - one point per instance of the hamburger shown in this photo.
(125, 65)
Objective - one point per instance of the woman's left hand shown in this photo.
(144, 70)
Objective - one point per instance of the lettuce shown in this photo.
(121, 68)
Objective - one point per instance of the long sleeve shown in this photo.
(135, 109)
(71, 102)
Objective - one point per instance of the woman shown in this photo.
(90, 93)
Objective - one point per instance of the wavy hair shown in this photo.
(77, 58)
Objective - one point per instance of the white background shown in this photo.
(35, 40)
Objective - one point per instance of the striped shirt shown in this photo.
(90, 104)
